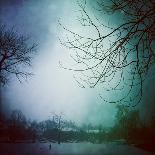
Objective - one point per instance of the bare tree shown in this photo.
(18, 118)
(16, 53)
(124, 52)
(58, 119)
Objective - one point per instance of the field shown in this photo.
(69, 149)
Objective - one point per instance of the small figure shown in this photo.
(50, 147)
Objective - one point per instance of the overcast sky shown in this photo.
(52, 89)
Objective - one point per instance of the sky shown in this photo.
(53, 89)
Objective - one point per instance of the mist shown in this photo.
(51, 89)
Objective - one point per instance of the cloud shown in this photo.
(52, 88)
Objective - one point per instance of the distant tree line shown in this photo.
(17, 128)
(128, 128)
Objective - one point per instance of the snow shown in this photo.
(69, 149)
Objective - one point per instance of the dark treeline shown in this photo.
(128, 128)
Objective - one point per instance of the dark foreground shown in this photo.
(70, 149)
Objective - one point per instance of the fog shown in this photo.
(53, 89)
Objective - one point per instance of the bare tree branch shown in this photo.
(125, 53)
(16, 53)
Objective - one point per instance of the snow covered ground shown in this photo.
(69, 149)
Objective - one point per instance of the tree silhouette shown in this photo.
(124, 52)
(18, 118)
(59, 124)
(16, 53)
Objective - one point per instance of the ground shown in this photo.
(69, 149)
